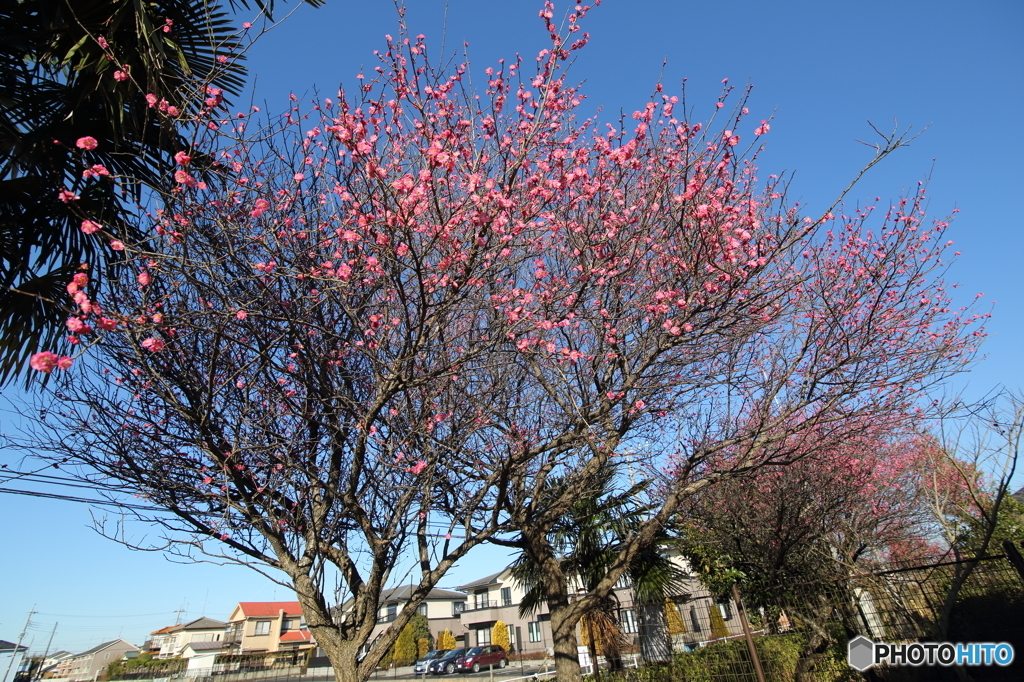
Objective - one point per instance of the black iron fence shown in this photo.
(803, 634)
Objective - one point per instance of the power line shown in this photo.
(92, 615)
(85, 500)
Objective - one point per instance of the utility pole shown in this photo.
(47, 652)
(17, 646)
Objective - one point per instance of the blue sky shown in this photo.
(822, 68)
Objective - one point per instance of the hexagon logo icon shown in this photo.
(860, 653)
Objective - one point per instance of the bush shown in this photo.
(145, 666)
(729, 660)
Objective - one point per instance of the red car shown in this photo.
(480, 657)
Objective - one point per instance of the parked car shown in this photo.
(445, 664)
(480, 657)
(420, 667)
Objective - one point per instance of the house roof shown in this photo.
(1019, 495)
(105, 645)
(296, 636)
(403, 592)
(269, 608)
(11, 646)
(207, 646)
(203, 624)
(164, 630)
(486, 580)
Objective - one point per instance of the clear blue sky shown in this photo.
(823, 68)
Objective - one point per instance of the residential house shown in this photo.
(472, 612)
(441, 609)
(51, 662)
(88, 665)
(202, 656)
(497, 597)
(157, 639)
(11, 655)
(198, 630)
(268, 626)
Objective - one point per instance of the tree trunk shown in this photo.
(563, 636)
(563, 621)
(818, 640)
(654, 640)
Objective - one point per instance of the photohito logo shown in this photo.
(862, 653)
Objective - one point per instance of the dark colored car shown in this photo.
(445, 664)
(482, 657)
(420, 666)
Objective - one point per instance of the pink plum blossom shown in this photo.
(86, 142)
(153, 345)
(44, 362)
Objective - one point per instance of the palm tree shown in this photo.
(72, 69)
(588, 538)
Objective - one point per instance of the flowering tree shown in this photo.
(865, 500)
(395, 317)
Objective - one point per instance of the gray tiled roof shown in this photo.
(403, 592)
(103, 646)
(487, 580)
(207, 646)
(203, 624)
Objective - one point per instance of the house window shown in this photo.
(534, 628)
(511, 638)
(481, 599)
(287, 624)
(392, 612)
(725, 608)
(506, 596)
(628, 618)
(483, 636)
(622, 583)
(262, 627)
(458, 607)
(422, 609)
(694, 620)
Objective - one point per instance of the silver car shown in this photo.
(420, 667)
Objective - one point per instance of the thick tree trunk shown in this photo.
(563, 636)
(563, 621)
(655, 645)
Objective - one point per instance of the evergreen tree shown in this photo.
(499, 635)
(405, 647)
(446, 640)
(674, 621)
(122, 75)
(719, 629)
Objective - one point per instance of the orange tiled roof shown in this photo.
(164, 630)
(296, 636)
(270, 608)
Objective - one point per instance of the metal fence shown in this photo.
(802, 635)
